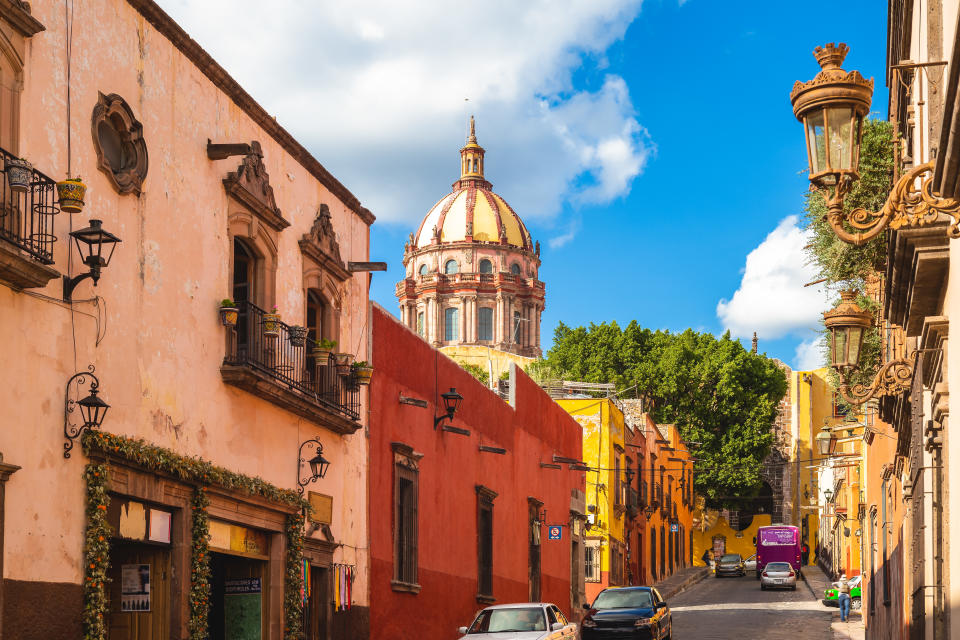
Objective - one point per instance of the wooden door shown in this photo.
(139, 617)
(319, 604)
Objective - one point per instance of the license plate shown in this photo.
(779, 581)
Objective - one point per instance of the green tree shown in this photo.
(719, 394)
(846, 266)
(476, 371)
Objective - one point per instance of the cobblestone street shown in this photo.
(718, 609)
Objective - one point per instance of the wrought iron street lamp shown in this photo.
(451, 402)
(832, 107)
(92, 242)
(847, 323)
(92, 408)
(318, 465)
(828, 494)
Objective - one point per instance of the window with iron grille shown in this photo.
(591, 561)
(485, 498)
(618, 497)
(616, 564)
(405, 523)
(534, 523)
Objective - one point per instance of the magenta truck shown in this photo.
(778, 543)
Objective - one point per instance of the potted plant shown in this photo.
(19, 174)
(228, 313)
(71, 192)
(344, 360)
(298, 335)
(271, 323)
(362, 371)
(322, 349)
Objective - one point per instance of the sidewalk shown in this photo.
(680, 580)
(817, 582)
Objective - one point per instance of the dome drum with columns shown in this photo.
(471, 272)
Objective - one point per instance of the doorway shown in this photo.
(139, 592)
(316, 613)
(237, 586)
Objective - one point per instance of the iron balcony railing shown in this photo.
(292, 364)
(26, 217)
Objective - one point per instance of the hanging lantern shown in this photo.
(846, 323)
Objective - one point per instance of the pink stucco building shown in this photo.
(212, 199)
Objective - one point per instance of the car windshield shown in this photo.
(779, 566)
(854, 582)
(730, 557)
(512, 619)
(623, 599)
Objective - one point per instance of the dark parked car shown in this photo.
(730, 564)
(627, 613)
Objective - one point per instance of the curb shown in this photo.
(689, 582)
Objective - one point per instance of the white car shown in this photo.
(522, 621)
(750, 564)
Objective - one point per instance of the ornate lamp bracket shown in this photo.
(893, 379)
(911, 203)
(72, 432)
(316, 465)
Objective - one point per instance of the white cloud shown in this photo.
(771, 299)
(376, 90)
(809, 354)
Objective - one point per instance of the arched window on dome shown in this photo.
(424, 270)
(486, 266)
(450, 267)
(515, 268)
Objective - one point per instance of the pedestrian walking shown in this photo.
(843, 593)
(707, 557)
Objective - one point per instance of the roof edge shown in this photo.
(192, 50)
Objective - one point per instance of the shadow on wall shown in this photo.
(722, 536)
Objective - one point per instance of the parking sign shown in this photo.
(554, 531)
(674, 528)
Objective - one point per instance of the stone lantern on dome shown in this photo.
(471, 285)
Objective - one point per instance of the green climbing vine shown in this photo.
(293, 582)
(96, 554)
(199, 565)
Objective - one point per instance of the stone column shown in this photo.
(462, 334)
(498, 320)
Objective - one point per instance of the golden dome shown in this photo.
(472, 212)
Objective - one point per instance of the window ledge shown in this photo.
(21, 272)
(482, 599)
(405, 587)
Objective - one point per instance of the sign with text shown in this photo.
(554, 532)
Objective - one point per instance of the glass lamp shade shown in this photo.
(319, 465)
(832, 107)
(91, 243)
(824, 441)
(93, 409)
(451, 401)
(846, 324)
(828, 494)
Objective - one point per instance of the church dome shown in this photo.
(472, 212)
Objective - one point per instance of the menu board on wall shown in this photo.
(241, 609)
(135, 587)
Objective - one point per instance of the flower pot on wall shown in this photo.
(19, 174)
(71, 193)
(271, 325)
(344, 360)
(228, 316)
(298, 335)
(363, 374)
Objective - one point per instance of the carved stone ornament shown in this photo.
(17, 14)
(468, 254)
(118, 141)
(250, 185)
(320, 245)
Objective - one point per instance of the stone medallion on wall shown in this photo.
(118, 141)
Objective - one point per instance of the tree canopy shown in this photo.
(719, 394)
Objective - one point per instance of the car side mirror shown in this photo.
(462, 631)
(556, 626)
(661, 605)
(586, 607)
(754, 540)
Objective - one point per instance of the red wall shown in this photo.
(450, 469)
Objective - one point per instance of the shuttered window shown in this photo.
(405, 531)
(485, 541)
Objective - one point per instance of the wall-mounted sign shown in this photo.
(321, 508)
(554, 532)
(231, 537)
(674, 528)
(135, 587)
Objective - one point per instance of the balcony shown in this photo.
(287, 375)
(26, 229)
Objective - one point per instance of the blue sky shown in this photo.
(651, 148)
